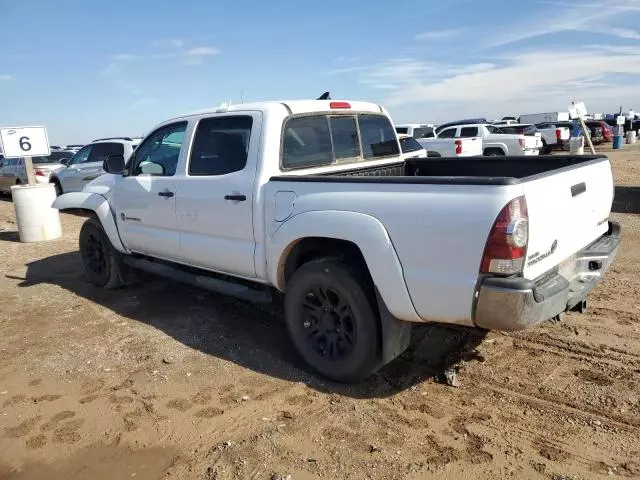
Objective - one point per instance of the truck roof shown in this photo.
(293, 107)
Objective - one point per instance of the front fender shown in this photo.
(97, 204)
(364, 231)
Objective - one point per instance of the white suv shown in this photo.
(86, 164)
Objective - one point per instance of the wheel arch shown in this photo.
(99, 206)
(358, 237)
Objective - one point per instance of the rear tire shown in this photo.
(102, 263)
(333, 321)
(493, 152)
(545, 150)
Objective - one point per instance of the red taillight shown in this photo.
(39, 173)
(506, 246)
(521, 140)
(558, 135)
(458, 147)
(333, 105)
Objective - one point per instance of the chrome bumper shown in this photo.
(516, 303)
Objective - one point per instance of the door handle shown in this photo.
(236, 197)
(166, 193)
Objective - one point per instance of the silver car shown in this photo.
(86, 164)
(13, 171)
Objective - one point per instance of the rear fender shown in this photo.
(96, 204)
(498, 145)
(362, 230)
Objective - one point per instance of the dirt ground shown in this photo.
(165, 381)
(625, 163)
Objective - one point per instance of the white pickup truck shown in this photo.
(311, 203)
(553, 137)
(493, 141)
(452, 147)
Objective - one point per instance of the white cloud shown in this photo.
(169, 42)
(571, 17)
(5, 77)
(201, 52)
(440, 34)
(544, 80)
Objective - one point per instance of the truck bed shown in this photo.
(507, 170)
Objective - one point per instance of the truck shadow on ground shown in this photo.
(254, 337)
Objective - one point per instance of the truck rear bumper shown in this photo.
(510, 304)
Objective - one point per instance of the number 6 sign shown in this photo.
(24, 142)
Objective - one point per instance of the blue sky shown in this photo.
(88, 69)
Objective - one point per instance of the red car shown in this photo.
(607, 131)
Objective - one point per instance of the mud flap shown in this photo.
(395, 333)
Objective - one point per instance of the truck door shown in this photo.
(215, 198)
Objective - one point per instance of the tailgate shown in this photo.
(471, 147)
(531, 142)
(567, 211)
(564, 133)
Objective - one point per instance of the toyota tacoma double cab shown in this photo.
(311, 202)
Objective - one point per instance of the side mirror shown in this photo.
(150, 168)
(114, 163)
(65, 161)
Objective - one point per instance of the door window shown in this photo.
(220, 145)
(101, 150)
(448, 133)
(158, 154)
(82, 156)
(468, 132)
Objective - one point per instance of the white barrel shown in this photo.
(37, 220)
(576, 146)
(631, 137)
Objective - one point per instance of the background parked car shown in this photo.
(605, 129)
(415, 130)
(86, 164)
(13, 171)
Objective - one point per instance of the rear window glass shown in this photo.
(423, 132)
(345, 137)
(377, 136)
(307, 142)
(402, 130)
(318, 140)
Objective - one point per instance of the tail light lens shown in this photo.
(558, 135)
(458, 147)
(521, 140)
(39, 173)
(506, 247)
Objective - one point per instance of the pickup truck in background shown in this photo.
(310, 202)
(525, 129)
(415, 130)
(452, 147)
(555, 136)
(491, 139)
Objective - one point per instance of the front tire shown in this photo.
(102, 263)
(333, 320)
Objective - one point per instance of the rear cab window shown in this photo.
(331, 139)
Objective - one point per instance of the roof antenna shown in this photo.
(325, 96)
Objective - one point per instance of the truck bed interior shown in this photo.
(505, 170)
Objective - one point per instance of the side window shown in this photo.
(378, 137)
(158, 154)
(101, 150)
(306, 142)
(344, 134)
(468, 132)
(448, 133)
(422, 132)
(220, 145)
(82, 156)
